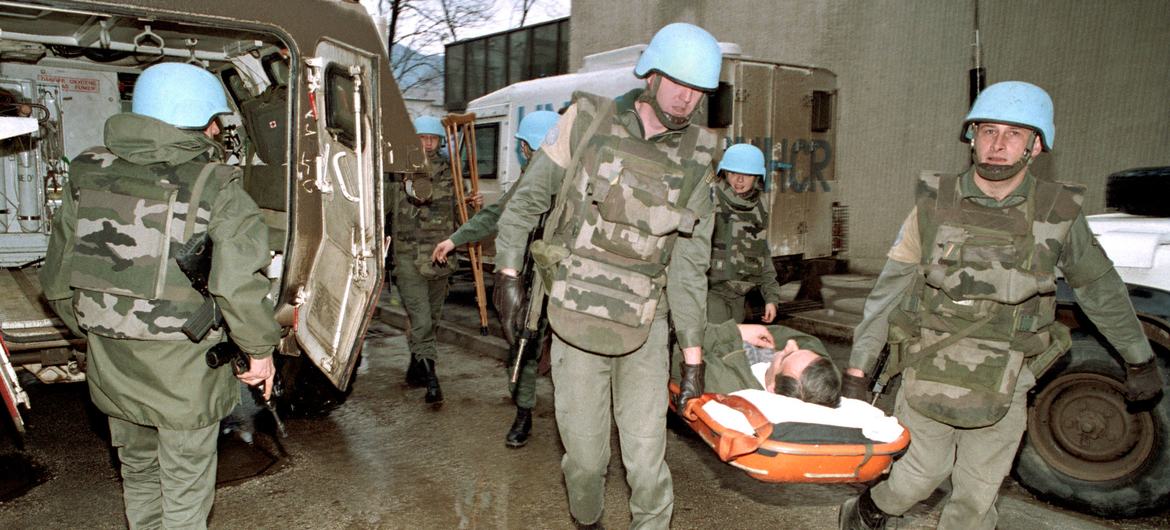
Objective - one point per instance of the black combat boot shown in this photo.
(518, 435)
(860, 513)
(416, 376)
(434, 395)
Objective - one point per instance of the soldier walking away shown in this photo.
(631, 229)
(482, 225)
(740, 257)
(423, 213)
(967, 299)
(111, 273)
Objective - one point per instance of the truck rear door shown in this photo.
(787, 112)
(345, 278)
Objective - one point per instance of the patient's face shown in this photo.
(790, 363)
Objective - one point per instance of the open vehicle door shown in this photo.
(345, 277)
(10, 391)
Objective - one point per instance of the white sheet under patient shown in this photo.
(874, 423)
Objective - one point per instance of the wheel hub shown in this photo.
(1081, 427)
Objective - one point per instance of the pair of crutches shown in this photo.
(460, 129)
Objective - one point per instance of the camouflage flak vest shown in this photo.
(739, 243)
(131, 220)
(987, 300)
(624, 208)
(419, 225)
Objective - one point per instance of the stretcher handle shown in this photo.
(732, 444)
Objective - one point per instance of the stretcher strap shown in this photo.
(864, 461)
(733, 444)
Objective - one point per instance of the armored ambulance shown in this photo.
(318, 123)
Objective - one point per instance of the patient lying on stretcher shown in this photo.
(737, 355)
(797, 383)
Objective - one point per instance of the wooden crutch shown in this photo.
(460, 129)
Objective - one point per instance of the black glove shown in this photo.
(508, 298)
(690, 386)
(856, 387)
(1142, 381)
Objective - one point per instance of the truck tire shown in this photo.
(1084, 449)
(305, 391)
(1139, 191)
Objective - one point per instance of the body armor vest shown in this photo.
(987, 298)
(739, 243)
(427, 221)
(422, 222)
(623, 210)
(131, 220)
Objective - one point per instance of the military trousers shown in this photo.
(977, 460)
(722, 308)
(168, 475)
(423, 301)
(590, 391)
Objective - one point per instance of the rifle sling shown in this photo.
(196, 195)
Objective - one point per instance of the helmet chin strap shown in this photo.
(1001, 172)
(670, 121)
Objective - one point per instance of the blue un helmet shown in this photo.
(743, 158)
(180, 94)
(685, 53)
(1014, 103)
(429, 125)
(535, 126)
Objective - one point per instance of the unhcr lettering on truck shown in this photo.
(786, 110)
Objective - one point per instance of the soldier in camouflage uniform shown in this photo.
(482, 225)
(740, 257)
(423, 213)
(128, 206)
(630, 230)
(968, 300)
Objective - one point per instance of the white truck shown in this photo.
(786, 110)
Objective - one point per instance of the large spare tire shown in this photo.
(1085, 448)
(1141, 191)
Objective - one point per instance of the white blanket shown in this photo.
(874, 423)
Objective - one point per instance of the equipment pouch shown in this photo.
(545, 257)
(967, 384)
(1059, 342)
(429, 270)
(738, 287)
(601, 308)
(123, 238)
(635, 215)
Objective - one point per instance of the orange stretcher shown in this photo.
(771, 460)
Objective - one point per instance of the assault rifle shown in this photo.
(194, 259)
(228, 353)
(532, 311)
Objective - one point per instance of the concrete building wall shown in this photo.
(902, 78)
